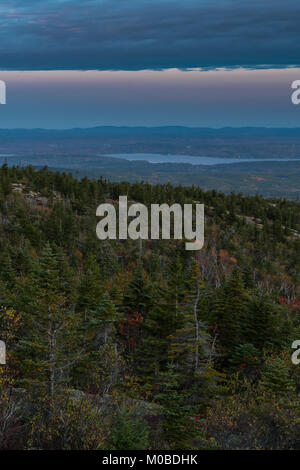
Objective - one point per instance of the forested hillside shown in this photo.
(123, 345)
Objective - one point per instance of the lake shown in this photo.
(160, 158)
(96, 161)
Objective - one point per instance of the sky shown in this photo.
(213, 98)
(135, 34)
(212, 63)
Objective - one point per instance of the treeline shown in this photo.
(129, 345)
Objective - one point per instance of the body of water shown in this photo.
(94, 161)
(160, 158)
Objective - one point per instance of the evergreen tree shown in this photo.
(91, 287)
(128, 432)
(261, 324)
(276, 380)
(49, 348)
(230, 312)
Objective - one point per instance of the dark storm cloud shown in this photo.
(137, 34)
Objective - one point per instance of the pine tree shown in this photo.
(261, 324)
(49, 347)
(103, 320)
(186, 343)
(276, 380)
(99, 369)
(230, 312)
(180, 425)
(128, 432)
(137, 303)
(91, 287)
(7, 271)
(176, 283)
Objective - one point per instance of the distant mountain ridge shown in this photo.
(140, 131)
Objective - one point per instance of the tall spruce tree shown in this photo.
(49, 348)
(230, 311)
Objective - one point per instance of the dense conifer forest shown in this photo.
(128, 345)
